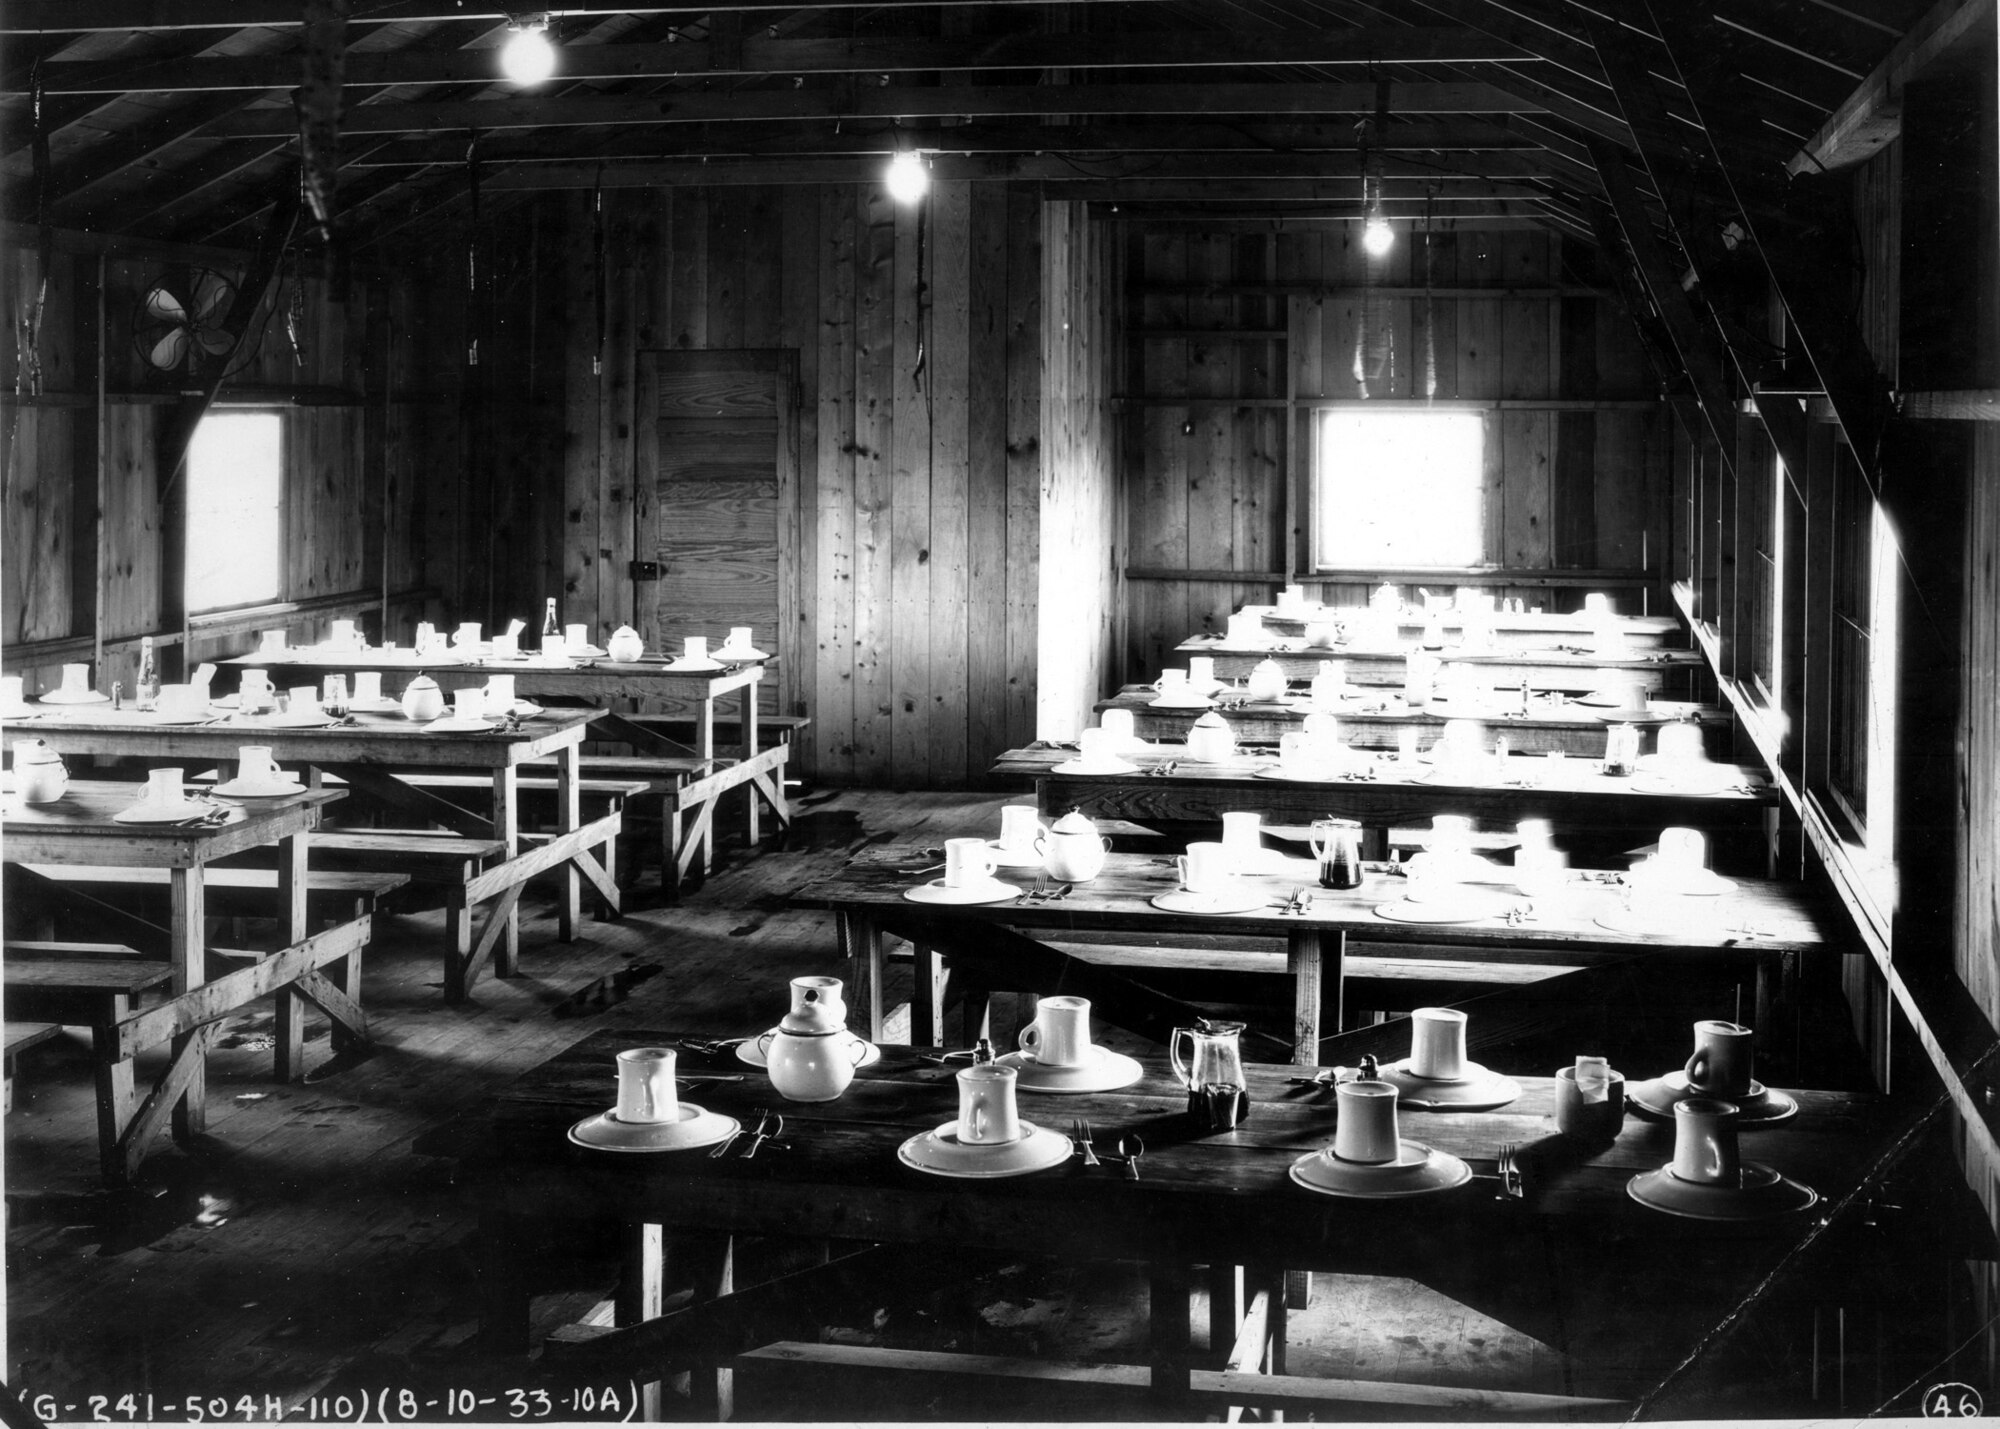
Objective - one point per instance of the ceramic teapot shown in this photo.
(1072, 849)
(1267, 681)
(1385, 597)
(422, 699)
(1209, 739)
(625, 646)
(810, 1066)
(40, 776)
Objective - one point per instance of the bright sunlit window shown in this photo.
(1399, 490)
(235, 527)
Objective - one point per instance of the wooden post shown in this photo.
(642, 1292)
(291, 1008)
(507, 829)
(188, 944)
(569, 818)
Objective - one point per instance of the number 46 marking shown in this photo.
(1953, 1401)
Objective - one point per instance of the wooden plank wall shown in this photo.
(913, 579)
(1570, 489)
(344, 460)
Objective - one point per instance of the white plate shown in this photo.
(1763, 1192)
(1199, 702)
(1456, 910)
(1334, 775)
(1608, 702)
(1105, 1071)
(1702, 921)
(1013, 857)
(20, 711)
(1077, 766)
(1419, 1171)
(160, 813)
(685, 666)
(1701, 779)
(751, 1054)
(697, 1126)
(383, 706)
(179, 721)
(452, 724)
(726, 654)
(318, 720)
(1760, 1106)
(941, 1153)
(1477, 1090)
(991, 891)
(237, 789)
(63, 697)
(1182, 901)
(224, 702)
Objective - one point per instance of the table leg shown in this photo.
(507, 829)
(865, 963)
(291, 1013)
(1171, 1361)
(749, 749)
(1225, 1309)
(502, 1286)
(709, 1260)
(704, 745)
(1315, 957)
(569, 818)
(926, 1004)
(642, 1293)
(188, 950)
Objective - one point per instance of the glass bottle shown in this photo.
(549, 625)
(147, 690)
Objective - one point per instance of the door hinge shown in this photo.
(643, 570)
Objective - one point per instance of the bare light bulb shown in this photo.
(907, 179)
(528, 57)
(1377, 237)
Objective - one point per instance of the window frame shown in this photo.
(1314, 496)
(283, 505)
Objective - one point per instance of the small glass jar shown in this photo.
(333, 696)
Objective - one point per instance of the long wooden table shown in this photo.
(1372, 720)
(80, 829)
(756, 770)
(365, 752)
(1217, 1201)
(1523, 631)
(1007, 945)
(1673, 673)
(1741, 820)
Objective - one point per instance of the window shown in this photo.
(1764, 530)
(1862, 726)
(1399, 490)
(235, 524)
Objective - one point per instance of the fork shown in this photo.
(1510, 1173)
(1080, 1129)
(760, 1135)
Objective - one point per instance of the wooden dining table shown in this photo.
(754, 768)
(1166, 789)
(1514, 630)
(1672, 674)
(81, 829)
(1011, 944)
(365, 751)
(1374, 717)
(1218, 1201)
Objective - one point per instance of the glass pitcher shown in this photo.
(1336, 843)
(1218, 1094)
(1621, 750)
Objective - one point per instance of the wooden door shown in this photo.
(718, 454)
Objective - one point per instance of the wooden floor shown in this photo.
(308, 1248)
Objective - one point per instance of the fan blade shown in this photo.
(211, 297)
(169, 350)
(165, 307)
(213, 341)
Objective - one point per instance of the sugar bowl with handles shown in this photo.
(1072, 849)
(1210, 739)
(422, 699)
(809, 1055)
(40, 776)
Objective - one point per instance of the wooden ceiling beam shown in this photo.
(1180, 49)
(1873, 114)
(69, 181)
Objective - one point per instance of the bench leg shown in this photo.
(291, 1014)
(188, 942)
(507, 828)
(116, 1099)
(749, 729)
(642, 1294)
(458, 944)
(569, 818)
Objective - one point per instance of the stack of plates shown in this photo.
(1418, 1171)
(941, 1153)
(695, 1127)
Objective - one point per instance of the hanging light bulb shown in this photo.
(1377, 237)
(908, 178)
(528, 58)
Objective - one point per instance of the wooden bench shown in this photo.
(431, 858)
(332, 895)
(93, 985)
(770, 727)
(20, 1036)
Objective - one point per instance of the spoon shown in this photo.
(1131, 1146)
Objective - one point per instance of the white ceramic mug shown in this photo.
(256, 767)
(1329, 683)
(1243, 836)
(647, 1094)
(967, 863)
(1060, 1034)
(1450, 833)
(1705, 1142)
(1437, 1042)
(1322, 634)
(466, 634)
(1597, 603)
(1246, 628)
(254, 692)
(345, 636)
(1020, 826)
(1683, 851)
(1590, 1101)
(694, 649)
(506, 647)
(499, 692)
(76, 679)
(1366, 1129)
(1724, 1054)
(273, 641)
(577, 637)
(555, 647)
(163, 786)
(1206, 868)
(13, 690)
(367, 687)
(988, 1113)
(1419, 673)
(181, 701)
(1122, 728)
(304, 699)
(1298, 751)
(1201, 672)
(1096, 748)
(1680, 742)
(1172, 682)
(468, 704)
(1540, 870)
(1535, 833)
(1406, 744)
